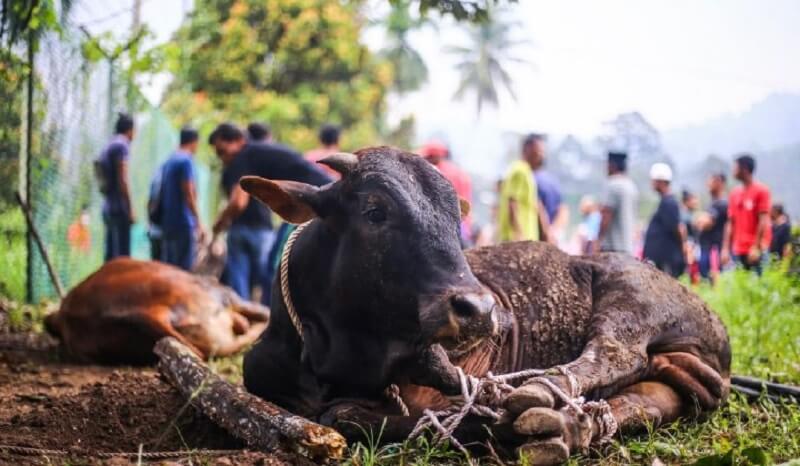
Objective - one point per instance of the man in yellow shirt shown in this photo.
(518, 213)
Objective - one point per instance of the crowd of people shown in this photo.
(743, 227)
(175, 229)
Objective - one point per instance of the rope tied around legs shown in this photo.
(486, 396)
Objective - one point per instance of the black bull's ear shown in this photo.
(293, 201)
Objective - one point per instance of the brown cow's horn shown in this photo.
(342, 162)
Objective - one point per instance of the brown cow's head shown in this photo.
(379, 276)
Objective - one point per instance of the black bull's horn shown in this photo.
(342, 162)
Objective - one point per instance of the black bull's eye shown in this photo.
(375, 215)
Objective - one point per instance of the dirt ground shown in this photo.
(87, 412)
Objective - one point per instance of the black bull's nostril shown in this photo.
(474, 313)
(471, 305)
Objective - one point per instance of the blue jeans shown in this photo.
(118, 236)
(178, 248)
(248, 258)
(705, 261)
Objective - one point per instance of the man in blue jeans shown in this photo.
(248, 222)
(180, 220)
(111, 170)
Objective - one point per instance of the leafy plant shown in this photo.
(293, 63)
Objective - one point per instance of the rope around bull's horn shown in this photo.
(483, 396)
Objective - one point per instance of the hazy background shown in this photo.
(704, 77)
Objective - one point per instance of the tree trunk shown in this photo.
(261, 425)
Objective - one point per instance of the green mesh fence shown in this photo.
(73, 117)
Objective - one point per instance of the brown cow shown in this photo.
(119, 312)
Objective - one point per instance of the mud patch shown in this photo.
(91, 410)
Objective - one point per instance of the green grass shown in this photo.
(740, 429)
(12, 254)
(762, 315)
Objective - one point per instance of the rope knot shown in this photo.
(486, 397)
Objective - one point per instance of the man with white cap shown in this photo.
(665, 240)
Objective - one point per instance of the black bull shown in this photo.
(380, 286)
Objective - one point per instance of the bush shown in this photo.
(762, 315)
(12, 243)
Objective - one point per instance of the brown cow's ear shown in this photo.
(463, 204)
(291, 200)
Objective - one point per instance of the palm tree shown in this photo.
(410, 71)
(483, 64)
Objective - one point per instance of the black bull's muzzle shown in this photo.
(460, 316)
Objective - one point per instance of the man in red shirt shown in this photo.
(747, 232)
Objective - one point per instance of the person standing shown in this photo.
(665, 239)
(618, 207)
(180, 218)
(748, 232)
(690, 210)
(247, 221)
(437, 154)
(259, 132)
(111, 169)
(711, 226)
(548, 188)
(519, 215)
(329, 136)
(780, 246)
(154, 232)
(589, 227)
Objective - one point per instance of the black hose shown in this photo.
(753, 387)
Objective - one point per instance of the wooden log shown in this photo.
(261, 425)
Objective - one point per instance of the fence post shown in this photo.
(28, 159)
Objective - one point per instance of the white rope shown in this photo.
(480, 396)
(284, 271)
(486, 397)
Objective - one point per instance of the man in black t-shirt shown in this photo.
(248, 222)
(665, 240)
(711, 226)
(780, 246)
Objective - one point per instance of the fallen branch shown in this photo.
(26, 210)
(261, 425)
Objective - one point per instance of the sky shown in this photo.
(678, 62)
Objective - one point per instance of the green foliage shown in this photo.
(19, 19)
(23, 317)
(761, 314)
(469, 10)
(409, 69)
(293, 63)
(12, 245)
(482, 64)
(12, 79)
